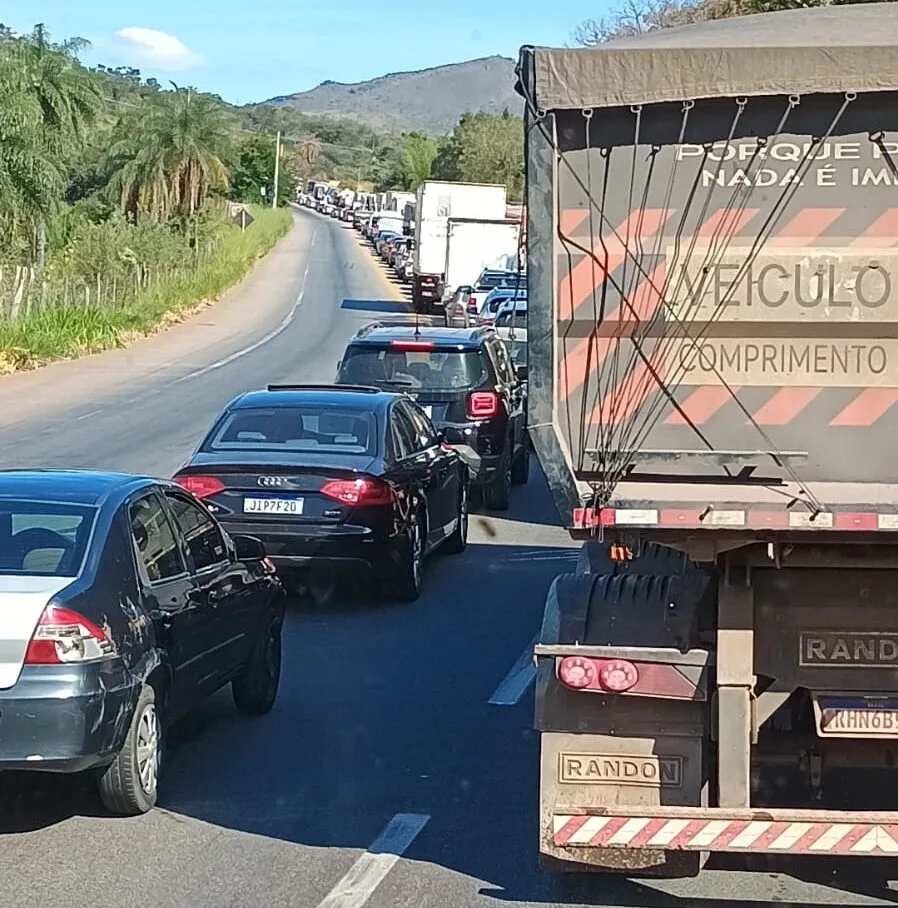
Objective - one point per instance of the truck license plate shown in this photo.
(272, 505)
(858, 718)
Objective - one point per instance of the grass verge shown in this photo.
(66, 332)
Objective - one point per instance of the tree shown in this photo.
(173, 156)
(49, 101)
(254, 169)
(484, 148)
(637, 16)
(420, 152)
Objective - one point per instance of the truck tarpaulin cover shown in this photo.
(713, 211)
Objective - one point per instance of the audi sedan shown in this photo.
(123, 604)
(334, 475)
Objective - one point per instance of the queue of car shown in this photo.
(127, 600)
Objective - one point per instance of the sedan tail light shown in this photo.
(63, 636)
(359, 492)
(483, 404)
(200, 486)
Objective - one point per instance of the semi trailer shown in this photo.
(712, 250)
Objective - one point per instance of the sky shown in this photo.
(251, 51)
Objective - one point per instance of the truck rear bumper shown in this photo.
(712, 829)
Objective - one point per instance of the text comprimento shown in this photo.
(774, 361)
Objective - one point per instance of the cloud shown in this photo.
(155, 50)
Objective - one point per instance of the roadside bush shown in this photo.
(112, 281)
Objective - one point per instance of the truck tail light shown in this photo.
(358, 492)
(483, 404)
(576, 672)
(613, 675)
(63, 636)
(200, 486)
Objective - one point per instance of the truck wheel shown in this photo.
(128, 787)
(520, 469)
(256, 687)
(497, 495)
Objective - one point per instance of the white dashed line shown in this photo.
(370, 870)
(280, 328)
(518, 679)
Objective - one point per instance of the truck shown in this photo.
(435, 203)
(396, 201)
(712, 253)
(472, 245)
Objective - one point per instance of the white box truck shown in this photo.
(472, 245)
(436, 203)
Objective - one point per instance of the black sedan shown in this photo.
(123, 604)
(335, 475)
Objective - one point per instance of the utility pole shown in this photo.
(277, 164)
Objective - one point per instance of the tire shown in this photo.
(520, 469)
(129, 785)
(255, 689)
(458, 541)
(497, 495)
(403, 579)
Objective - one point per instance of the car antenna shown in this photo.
(417, 324)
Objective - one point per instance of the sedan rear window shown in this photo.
(428, 370)
(300, 428)
(43, 539)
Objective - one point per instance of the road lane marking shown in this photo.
(370, 870)
(279, 329)
(521, 675)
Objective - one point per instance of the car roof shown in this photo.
(86, 487)
(377, 334)
(349, 396)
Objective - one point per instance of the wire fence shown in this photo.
(24, 292)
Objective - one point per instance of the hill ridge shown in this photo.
(423, 100)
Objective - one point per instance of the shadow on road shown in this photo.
(384, 709)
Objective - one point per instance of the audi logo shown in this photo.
(272, 481)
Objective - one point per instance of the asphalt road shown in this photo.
(384, 740)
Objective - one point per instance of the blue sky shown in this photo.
(250, 51)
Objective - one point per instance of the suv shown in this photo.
(465, 381)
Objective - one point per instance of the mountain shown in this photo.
(428, 100)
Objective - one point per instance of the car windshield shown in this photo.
(491, 280)
(494, 304)
(311, 428)
(429, 370)
(507, 319)
(43, 539)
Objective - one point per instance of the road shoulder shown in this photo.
(243, 315)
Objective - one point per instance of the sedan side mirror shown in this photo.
(248, 548)
(441, 436)
(521, 372)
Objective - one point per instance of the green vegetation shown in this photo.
(111, 296)
(637, 16)
(113, 202)
(114, 191)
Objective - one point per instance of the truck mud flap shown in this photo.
(585, 777)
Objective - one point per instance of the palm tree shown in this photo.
(49, 100)
(172, 156)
